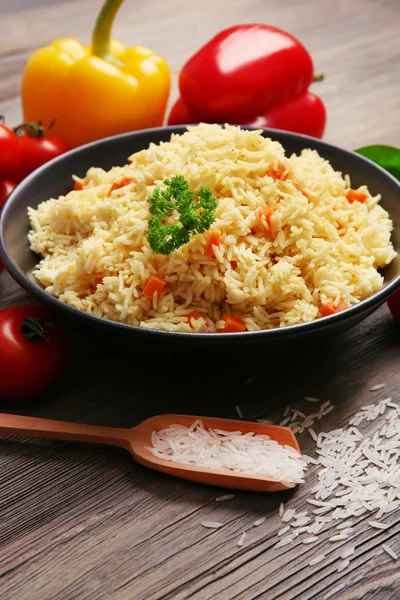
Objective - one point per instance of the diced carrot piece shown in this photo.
(214, 239)
(119, 184)
(193, 315)
(232, 324)
(331, 309)
(78, 185)
(278, 172)
(234, 264)
(356, 196)
(154, 284)
(97, 281)
(264, 212)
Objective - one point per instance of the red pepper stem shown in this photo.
(318, 77)
(102, 31)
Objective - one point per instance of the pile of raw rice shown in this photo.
(318, 248)
(357, 487)
(229, 450)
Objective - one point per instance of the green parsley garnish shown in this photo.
(196, 214)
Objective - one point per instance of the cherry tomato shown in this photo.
(9, 153)
(394, 305)
(35, 151)
(33, 351)
(6, 187)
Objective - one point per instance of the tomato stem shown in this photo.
(35, 130)
(102, 31)
(34, 329)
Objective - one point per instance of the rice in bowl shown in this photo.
(317, 248)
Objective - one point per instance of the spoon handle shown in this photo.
(32, 427)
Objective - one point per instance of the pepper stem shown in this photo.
(102, 31)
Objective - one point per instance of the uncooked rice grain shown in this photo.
(378, 525)
(391, 552)
(224, 497)
(313, 434)
(346, 524)
(347, 552)
(284, 542)
(241, 539)
(212, 524)
(288, 515)
(343, 565)
(311, 540)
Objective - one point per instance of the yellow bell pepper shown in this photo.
(95, 91)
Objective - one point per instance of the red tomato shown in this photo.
(35, 151)
(6, 187)
(32, 351)
(9, 153)
(394, 305)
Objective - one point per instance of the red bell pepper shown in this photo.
(250, 75)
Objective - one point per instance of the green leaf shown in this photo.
(386, 157)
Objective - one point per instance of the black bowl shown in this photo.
(54, 179)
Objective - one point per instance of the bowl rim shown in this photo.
(366, 305)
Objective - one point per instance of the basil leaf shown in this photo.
(387, 157)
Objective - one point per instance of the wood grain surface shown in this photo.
(83, 522)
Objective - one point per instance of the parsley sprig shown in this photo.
(196, 214)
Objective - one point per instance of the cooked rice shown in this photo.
(319, 249)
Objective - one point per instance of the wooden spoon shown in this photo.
(137, 438)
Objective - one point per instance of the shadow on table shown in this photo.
(120, 384)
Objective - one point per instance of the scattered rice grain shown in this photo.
(377, 387)
(224, 497)
(391, 552)
(212, 524)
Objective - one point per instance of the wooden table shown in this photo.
(85, 522)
